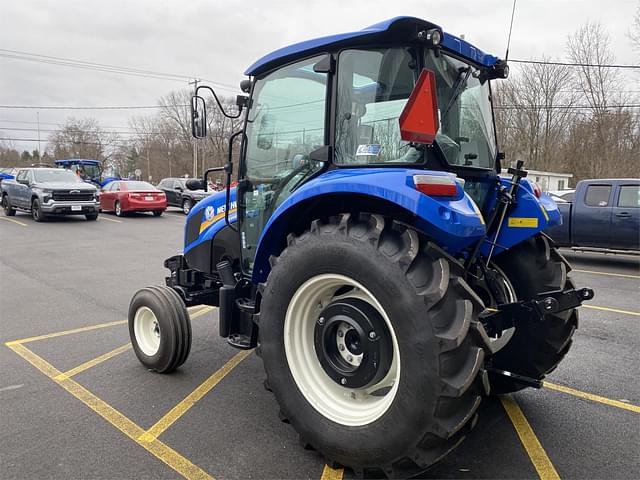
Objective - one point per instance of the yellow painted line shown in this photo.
(66, 332)
(158, 449)
(594, 272)
(93, 363)
(594, 398)
(190, 400)
(614, 310)
(198, 309)
(13, 221)
(329, 473)
(539, 458)
(109, 219)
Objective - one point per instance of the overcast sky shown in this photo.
(218, 39)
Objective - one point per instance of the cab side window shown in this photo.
(629, 196)
(597, 195)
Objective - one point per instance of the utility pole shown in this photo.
(39, 149)
(195, 140)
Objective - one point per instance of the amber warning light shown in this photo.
(419, 119)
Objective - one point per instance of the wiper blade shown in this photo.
(457, 89)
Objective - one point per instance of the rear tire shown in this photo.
(160, 328)
(187, 204)
(536, 348)
(422, 408)
(36, 211)
(8, 210)
(158, 213)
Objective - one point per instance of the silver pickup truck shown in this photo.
(49, 191)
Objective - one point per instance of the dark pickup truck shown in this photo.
(604, 215)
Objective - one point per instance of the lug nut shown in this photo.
(340, 333)
(343, 381)
(372, 335)
(321, 321)
(349, 358)
(341, 347)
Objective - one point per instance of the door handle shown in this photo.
(623, 214)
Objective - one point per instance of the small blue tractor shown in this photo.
(385, 273)
(89, 170)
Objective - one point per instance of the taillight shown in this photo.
(134, 195)
(537, 191)
(436, 185)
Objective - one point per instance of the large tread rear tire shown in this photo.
(536, 348)
(173, 324)
(441, 344)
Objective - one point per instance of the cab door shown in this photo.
(625, 218)
(286, 122)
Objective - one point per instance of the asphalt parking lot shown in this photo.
(75, 402)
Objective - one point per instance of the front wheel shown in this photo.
(159, 328)
(371, 345)
(536, 347)
(186, 206)
(118, 209)
(36, 211)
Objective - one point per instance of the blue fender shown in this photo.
(453, 222)
(529, 216)
(209, 214)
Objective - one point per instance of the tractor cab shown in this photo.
(335, 104)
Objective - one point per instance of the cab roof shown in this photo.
(396, 30)
(80, 161)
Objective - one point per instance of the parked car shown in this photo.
(566, 195)
(178, 195)
(49, 191)
(123, 196)
(604, 214)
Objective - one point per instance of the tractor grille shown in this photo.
(67, 196)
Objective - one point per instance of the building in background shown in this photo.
(548, 180)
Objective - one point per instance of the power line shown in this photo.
(49, 107)
(562, 107)
(568, 64)
(104, 67)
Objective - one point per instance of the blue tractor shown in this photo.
(383, 271)
(89, 170)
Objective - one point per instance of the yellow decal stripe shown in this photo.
(544, 212)
(204, 225)
(523, 222)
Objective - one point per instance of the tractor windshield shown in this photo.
(373, 88)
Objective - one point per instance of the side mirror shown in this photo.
(195, 184)
(198, 117)
(419, 121)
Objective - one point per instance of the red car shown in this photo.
(132, 196)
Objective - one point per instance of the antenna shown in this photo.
(513, 11)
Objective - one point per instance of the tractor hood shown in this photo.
(395, 30)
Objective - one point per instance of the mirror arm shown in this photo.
(206, 87)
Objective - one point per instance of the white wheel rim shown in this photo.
(118, 208)
(346, 406)
(147, 331)
(498, 343)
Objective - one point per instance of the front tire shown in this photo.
(536, 348)
(158, 213)
(418, 394)
(91, 217)
(159, 328)
(187, 204)
(36, 211)
(118, 209)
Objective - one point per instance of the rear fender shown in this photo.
(529, 216)
(453, 222)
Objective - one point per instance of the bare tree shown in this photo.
(83, 138)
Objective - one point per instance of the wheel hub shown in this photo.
(351, 343)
